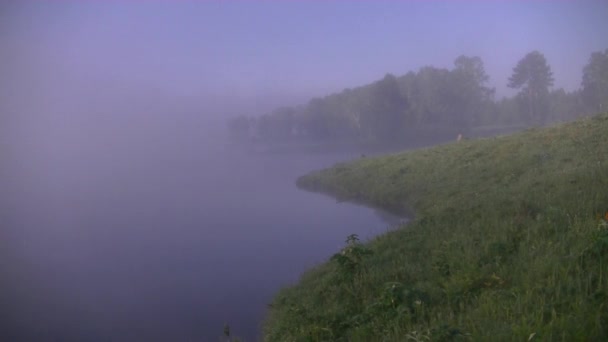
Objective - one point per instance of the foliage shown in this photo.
(350, 258)
(383, 117)
(472, 99)
(509, 242)
(533, 76)
(595, 81)
(394, 109)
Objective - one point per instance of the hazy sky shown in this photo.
(251, 54)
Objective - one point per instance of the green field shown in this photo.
(507, 242)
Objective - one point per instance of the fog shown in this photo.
(128, 213)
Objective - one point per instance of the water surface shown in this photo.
(161, 237)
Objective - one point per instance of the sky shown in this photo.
(248, 57)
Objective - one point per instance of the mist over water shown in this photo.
(125, 212)
(163, 235)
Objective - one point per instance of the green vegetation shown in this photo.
(393, 109)
(508, 243)
(533, 77)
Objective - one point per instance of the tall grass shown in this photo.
(507, 244)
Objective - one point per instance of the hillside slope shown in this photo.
(507, 243)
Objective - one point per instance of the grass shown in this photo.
(506, 244)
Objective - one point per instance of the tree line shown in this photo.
(459, 98)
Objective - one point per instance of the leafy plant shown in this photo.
(350, 258)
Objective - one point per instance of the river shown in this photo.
(164, 235)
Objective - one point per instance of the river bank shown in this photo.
(507, 243)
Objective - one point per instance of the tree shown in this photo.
(471, 98)
(533, 76)
(565, 105)
(595, 81)
(278, 125)
(428, 92)
(383, 119)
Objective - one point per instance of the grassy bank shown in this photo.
(507, 243)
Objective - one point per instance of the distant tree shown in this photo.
(533, 76)
(318, 121)
(473, 67)
(383, 119)
(470, 95)
(428, 92)
(506, 111)
(595, 81)
(278, 125)
(565, 106)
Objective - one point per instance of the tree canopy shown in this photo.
(533, 76)
(595, 80)
(438, 99)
